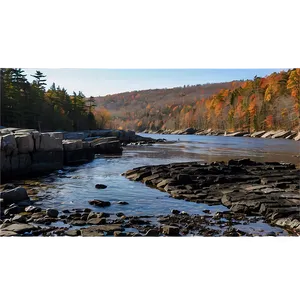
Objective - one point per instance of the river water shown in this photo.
(73, 187)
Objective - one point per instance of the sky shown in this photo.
(101, 82)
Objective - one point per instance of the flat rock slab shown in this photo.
(242, 185)
(19, 228)
(100, 230)
(7, 233)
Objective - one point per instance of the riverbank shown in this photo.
(274, 134)
(27, 152)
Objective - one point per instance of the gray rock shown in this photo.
(78, 222)
(99, 203)
(19, 228)
(91, 215)
(73, 232)
(103, 215)
(15, 209)
(19, 219)
(96, 221)
(123, 202)
(14, 195)
(7, 233)
(52, 213)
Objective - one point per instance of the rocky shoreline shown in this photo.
(269, 190)
(250, 193)
(27, 152)
(274, 134)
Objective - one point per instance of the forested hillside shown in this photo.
(150, 108)
(30, 105)
(262, 103)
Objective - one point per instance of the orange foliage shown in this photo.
(218, 109)
(269, 121)
(252, 106)
(102, 116)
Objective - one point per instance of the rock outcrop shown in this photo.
(244, 186)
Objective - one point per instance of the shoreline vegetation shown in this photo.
(261, 104)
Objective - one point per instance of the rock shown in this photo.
(7, 233)
(25, 202)
(78, 222)
(226, 200)
(15, 209)
(258, 134)
(71, 145)
(100, 186)
(170, 230)
(91, 215)
(73, 232)
(19, 219)
(88, 232)
(152, 232)
(25, 143)
(14, 195)
(239, 133)
(87, 210)
(9, 186)
(175, 212)
(98, 230)
(103, 215)
(268, 134)
(123, 203)
(32, 209)
(120, 233)
(96, 221)
(8, 144)
(297, 137)
(52, 213)
(19, 228)
(281, 134)
(183, 213)
(100, 203)
(120, 214)
(48, 143)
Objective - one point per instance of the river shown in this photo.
(73, 187)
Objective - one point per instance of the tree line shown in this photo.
(272, 102)
(27, 104)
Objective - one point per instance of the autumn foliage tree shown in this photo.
(293, 84)
(102, 117)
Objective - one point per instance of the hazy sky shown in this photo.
(95, 82)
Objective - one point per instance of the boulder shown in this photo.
(170, 230)
(268, 134)
(297, 137)
(52, 213)
(100, 186)
(71, 145)
(25, 143)
(281, 134)
(258, 134)
(8, 144)
(19, 228)
(14, 209)
(49, 143)
(15, 195)
(99, 203)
